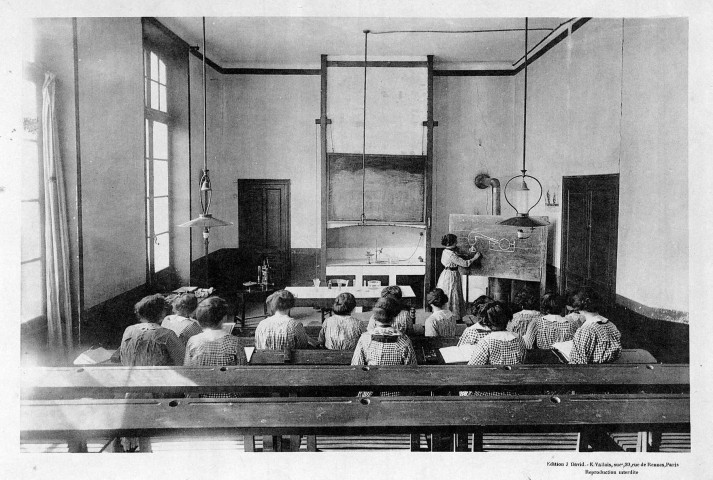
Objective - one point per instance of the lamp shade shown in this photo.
(523, 220)
(205, 221)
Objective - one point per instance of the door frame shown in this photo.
(287, 227)
(610, 180)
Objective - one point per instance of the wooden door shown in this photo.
(590, 215)
(264, 226)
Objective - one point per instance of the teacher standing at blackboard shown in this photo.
(450, 280)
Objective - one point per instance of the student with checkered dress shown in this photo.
(573, 315)
(500, 347)
(384, 345)
(403, 321)
(477, 331)
(184, 306)
(341, 331)
(597, 340)
(213, 347)
(280, 331)
(442, 322)
(526, 304)
(148, 344)
(552, 327)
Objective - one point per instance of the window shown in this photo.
(32, 266)
(157, 165)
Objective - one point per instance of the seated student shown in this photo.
(477, 330)
(500, 347)
(280, 331)
(552, 327)
(472, 317)
(572, 314)
(597, 340)
(341, 331)
(403, 321)
(147, 343)
(526, 304)
(214, 346)
(384, 345)
(181, 322)
(441, 323)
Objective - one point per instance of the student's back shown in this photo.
(384, 345)
(280, 331)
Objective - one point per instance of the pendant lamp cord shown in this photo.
(524, 115)
(363, 145)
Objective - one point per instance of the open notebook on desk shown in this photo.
(563, 350)
(457, 354)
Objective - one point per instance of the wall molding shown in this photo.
(345, 63)
(654, 313)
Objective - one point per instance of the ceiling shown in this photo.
(298, 42)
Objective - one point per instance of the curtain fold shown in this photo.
(57, 259)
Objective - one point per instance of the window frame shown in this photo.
(151, 117)
(34, 75)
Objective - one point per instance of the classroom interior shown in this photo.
(607, 101)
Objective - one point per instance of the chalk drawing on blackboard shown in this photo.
(502, 245)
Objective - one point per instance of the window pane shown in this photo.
(154, 95)
(30, 112)
(162, 93)
(30, 171)
(160, 214)
(160, 178)
(31, 231)
(32, 304)
(160, 140)
(154, 67)
(161, 72)
(148, 152)
(161, 251)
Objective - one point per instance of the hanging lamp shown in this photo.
(205, 220)
(522, 214)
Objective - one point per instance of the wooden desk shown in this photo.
(76, 420)
(257, 294)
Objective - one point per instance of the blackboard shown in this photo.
(394, 189)
(504, 255)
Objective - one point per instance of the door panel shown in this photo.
(264, 218)
(590, 232)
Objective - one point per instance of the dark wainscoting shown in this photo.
(104, 324)
(667, 341)
(230, 267)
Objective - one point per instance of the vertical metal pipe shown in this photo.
(524, 114)
(363, 145)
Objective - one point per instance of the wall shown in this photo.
(112, 135)
(474, 134)
(573, 114)
(653, 218)
(582, 121)
(269, 132)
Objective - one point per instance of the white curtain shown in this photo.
(57, 283)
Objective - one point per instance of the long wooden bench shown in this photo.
(58, 409)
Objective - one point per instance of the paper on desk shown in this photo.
(459, 354)
(565, 348)
(93, 356)
(249, 352)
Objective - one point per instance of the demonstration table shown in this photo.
(323, 297)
